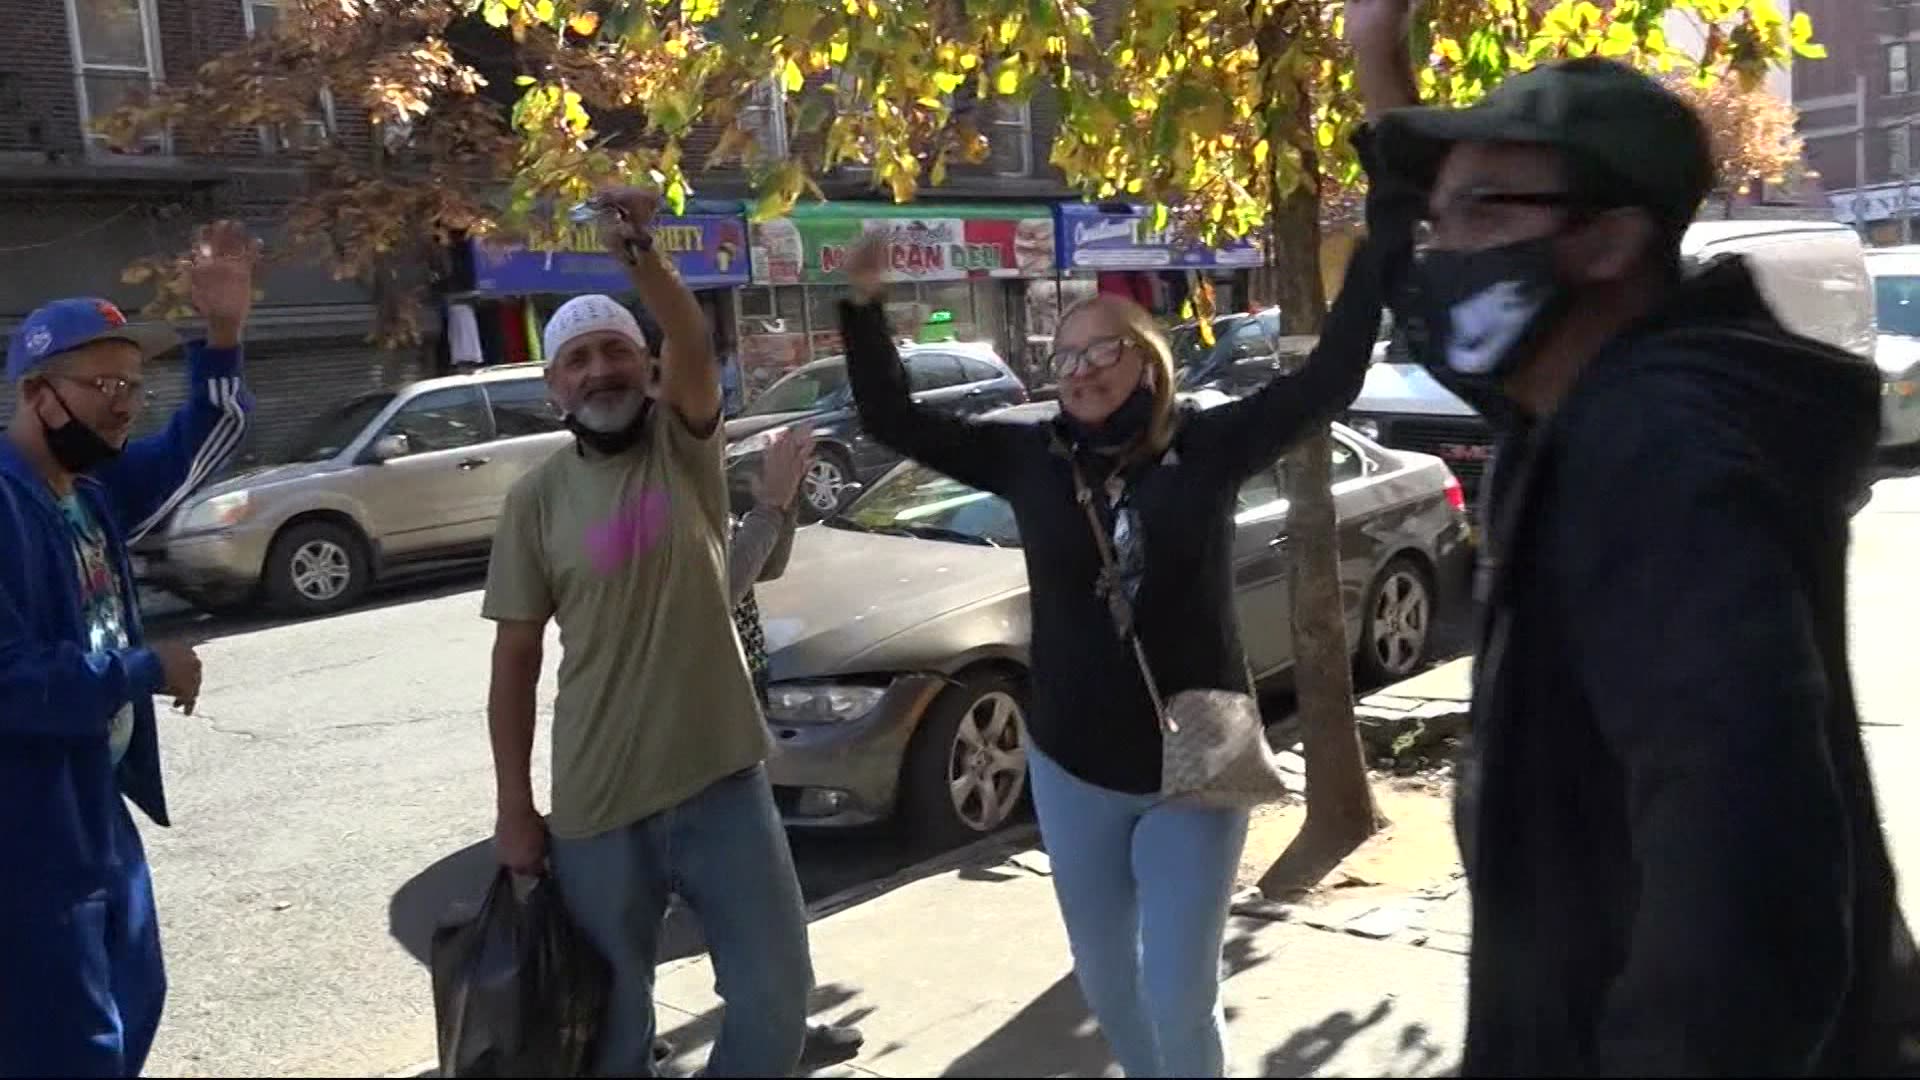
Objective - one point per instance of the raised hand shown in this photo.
(221, 280)
(786, 465)
(867, 268)
(628, 227)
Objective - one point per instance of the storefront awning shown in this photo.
(709, 250)
(1116, 236)
(928, 242)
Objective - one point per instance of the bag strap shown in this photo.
(1110, 590)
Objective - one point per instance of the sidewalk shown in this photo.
(964, 971)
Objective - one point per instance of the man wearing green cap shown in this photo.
(1667, 820)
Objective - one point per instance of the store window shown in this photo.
(1898, 81)
(115, 61)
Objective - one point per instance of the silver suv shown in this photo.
(379, 486)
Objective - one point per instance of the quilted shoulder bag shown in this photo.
(1214, 748)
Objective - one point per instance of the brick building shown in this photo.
(73, 212)
(1858, 110)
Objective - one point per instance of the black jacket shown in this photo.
(1090, 708)
(1670, 831)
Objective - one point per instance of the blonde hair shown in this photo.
(1138, 328)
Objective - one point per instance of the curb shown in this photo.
(1000, 846)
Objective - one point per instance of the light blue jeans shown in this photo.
(724, 853)
(1144, 887)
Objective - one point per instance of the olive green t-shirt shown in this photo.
(628, 553)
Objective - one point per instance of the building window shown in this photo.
(1899, 152)
(1010, 137)
(263, 17)
(765, 115)
(1897, 82)
(115, 62)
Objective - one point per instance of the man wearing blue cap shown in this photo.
(84, 981)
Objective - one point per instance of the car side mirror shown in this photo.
(388, 447)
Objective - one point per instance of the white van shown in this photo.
(1813, 273)
(1896, 308)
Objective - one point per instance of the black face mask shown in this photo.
(1473, 316)
(78, 448)
(612, 442)
(1121, 427)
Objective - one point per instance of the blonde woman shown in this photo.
(1143, 883)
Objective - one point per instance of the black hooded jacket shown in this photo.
(1670, 832)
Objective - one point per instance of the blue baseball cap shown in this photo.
(66, 325)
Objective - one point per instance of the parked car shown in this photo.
(898, 635)
(1896, 292)
(379, 486)
(1813, 272)
(963, 377)
(1247, 351)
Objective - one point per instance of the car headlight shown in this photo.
(752, 444)
(821, 703)
(218, 512)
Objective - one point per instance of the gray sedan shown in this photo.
(898, 635)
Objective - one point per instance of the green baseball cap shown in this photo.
(1631, 141)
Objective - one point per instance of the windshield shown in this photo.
(335, 428)
(1896, 302)
(914, 500)
(1190, 354)
(805, 390)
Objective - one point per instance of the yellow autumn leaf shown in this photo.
(796, 80)
(1007, 83)
(969, 61)
(837, 52)
(543, 10)
(584, 23)
(947, 81)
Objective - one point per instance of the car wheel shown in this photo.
(316, 567)
(966, 769)
(1396, 631)
(825, 484)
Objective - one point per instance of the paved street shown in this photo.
(334, 795)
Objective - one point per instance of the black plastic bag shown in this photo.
(517, 989)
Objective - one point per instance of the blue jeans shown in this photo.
(1143, 886)
(83, 982)
(724, 853)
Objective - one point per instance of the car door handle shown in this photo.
(473, 463)
(1279, 543)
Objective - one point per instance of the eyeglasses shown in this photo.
(112, 387)
(1094, 356)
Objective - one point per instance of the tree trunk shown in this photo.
(1341, 813)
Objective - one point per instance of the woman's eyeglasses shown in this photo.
(1094, 356)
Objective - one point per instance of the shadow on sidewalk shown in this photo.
(1308, 1050)
(1053, 1036)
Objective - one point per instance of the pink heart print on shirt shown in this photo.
(634, 529)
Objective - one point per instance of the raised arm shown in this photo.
(763, 539)
(689, 378)
(154, 474)
(1251, 434)
(979, 453)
